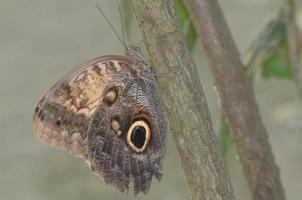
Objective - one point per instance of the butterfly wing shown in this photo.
(62, 116)
(110, 154)
(73, 116)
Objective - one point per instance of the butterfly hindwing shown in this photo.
(110, 155)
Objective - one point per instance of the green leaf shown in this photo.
(273, 34)
(276, 61)
(270, 51)
(224, 137)
(190, 33)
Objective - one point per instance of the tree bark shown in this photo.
(184, 99)
(293, 37)
(237, 100)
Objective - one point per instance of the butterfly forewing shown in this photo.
(62, 116)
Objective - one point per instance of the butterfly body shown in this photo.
(108, 112)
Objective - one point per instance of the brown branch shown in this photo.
(293, 37)
(183, 96)
(237, 100)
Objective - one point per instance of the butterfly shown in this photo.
(108, 111)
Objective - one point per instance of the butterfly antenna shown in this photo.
(111, 25)
(122, 23)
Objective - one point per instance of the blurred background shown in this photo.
(41, 40)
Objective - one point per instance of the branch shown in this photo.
(293, 36)
(237, 100)
(184, 99)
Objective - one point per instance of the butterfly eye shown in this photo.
(111, 96)
(138, 136)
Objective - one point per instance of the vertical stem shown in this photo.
(184, 99)
(237, 100)
(293, 37)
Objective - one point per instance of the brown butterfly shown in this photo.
(108, 111)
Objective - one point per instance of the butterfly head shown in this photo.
(135, 54)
